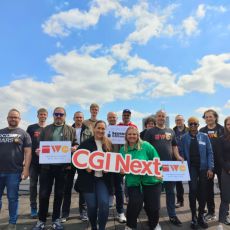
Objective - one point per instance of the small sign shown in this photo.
(55, 152)
(116, 134)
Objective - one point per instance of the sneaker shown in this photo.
(194, 223)
(210, 216)
(227, 221)
(84, 216)
(179, 204)
(64, 219)
(174, 220)
(34, 213)
(202, 222)
(56, 225)
(11, 227)
(128, 228)
(121, 218)
(39, 226)
(158, 227)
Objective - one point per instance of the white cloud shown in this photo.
(190, 26)
(62, 23)
(90, 48)
(227, 105)
(214, 69)
(201, 11)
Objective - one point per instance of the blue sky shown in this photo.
(141, 55)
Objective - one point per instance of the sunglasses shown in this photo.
(59, 114)
(193, 124)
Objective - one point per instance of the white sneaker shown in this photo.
(121, 218)
(127, 228)
(158, 227)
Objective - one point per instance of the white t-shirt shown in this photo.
(99, 148)
(78, 135)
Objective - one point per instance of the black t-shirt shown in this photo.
(214, 135)
(194, 152)
(12, 144)
(34, 132)
(162, 140)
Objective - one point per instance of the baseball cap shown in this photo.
(126, 111)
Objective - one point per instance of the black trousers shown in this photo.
(34, 175)
(179, 192)
(210, 191)
(197, 189)
(68, 193)
(48, 176)
(150, 195)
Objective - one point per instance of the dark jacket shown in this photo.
(86, 181)
(85, 134)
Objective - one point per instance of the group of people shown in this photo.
(206, 150)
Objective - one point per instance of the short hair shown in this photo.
(14, 110)
(78, 112)
(94, 105)
(150, 119)
(42, 110)
(215, 114)
(161, 111)
(60, 108)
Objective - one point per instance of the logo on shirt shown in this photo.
(212, 134)
(166, 136)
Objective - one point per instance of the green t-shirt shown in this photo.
(58, 133)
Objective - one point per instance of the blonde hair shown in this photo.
(139, 141)
(106, 143)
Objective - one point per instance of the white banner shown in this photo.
(175, 171)
(116, 134)
(55, 152)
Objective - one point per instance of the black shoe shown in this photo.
(174, 220)
(201, 221)
(194, 223)
(179, 204)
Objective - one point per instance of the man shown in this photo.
(214, 131)
(82, 133)
(94, 110)
(197, 150)
(58, 131)
(15, 150)
(117, 178)
(34, 131)
(163, 139)
(126, 118)
(149, 123)
(180, 129)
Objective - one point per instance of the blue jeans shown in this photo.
(98, 202)
(170, 198)
(11, 181)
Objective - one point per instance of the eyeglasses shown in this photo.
(59, 114)
(193, 124)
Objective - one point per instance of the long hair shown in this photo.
(226, 131)
(139, 141)
(106, 143)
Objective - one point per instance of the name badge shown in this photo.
(202, 143)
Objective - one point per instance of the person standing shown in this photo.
(141, 188)
(94, 110)
(15, 150)
(149, 123)
(163, 139)
(117, 178)
(82, 133)
(214, 131)
(197, 151)
(58, 131)
(34, 131)
(126, 119)
(223, 152)
(180, 129)
(96, 185)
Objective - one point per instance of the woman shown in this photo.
(96, 185)
(143, 188)
(224, 156)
